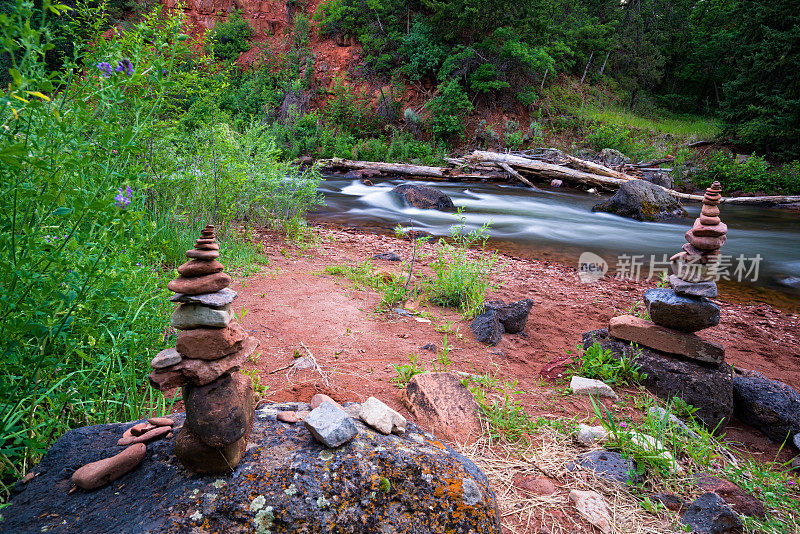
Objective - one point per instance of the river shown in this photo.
(558, 225)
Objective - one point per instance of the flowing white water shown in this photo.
(560, 224)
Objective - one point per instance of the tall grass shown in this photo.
(678, 125)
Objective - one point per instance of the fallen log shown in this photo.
(596, 168)
(517, 175)
(404, 169)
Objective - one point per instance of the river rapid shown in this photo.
(558, 225)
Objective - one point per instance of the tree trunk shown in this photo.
(587, 66)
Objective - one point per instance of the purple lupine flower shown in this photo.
(123, 198)
(105, 69)
(125, 66)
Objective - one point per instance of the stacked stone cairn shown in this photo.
(209, 350)
(679, 312)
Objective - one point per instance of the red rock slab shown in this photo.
(319, 398)
(197, 285)
(202, 372)
(705, 243)
(202, 254)
(134, 430)
(166, 379)
(157, 432)
(211, 343)
(202, 241)
(209, 246)
(200, 268)
(705, 220)
(139, 430)
(741, 501)
(97, 474)
(701, 230)
(649, 334)
(442, 404)
(709, 211)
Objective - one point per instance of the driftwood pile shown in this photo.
(532, 165)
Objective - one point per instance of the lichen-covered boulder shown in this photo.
(423, 197)
(286, 483)
(643, 201)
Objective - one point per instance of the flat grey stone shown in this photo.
(680, 312)
(221, 298)
(693, 289)
(330, 425)
(797, 441)
(165, 358)
(589, 386)
(606, 464)
(191, 315)
(589, 435)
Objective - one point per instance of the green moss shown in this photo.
(386, 486)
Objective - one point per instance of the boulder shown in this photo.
(707, 387)
(768, 405)
(642, 201)
(286, 483)
(651, 335)
(423, 197)
(487, 328)
(444, 405)
(660, 178)
(512, 316)
(708, 514)
(610, 156)
(608, 465)
(688, 314)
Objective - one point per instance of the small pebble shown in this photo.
(161, 421)
(148, 436)
(287, 417)
(140, 431)
(132, 430)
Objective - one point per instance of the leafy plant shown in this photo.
(597, 362)
(407, 371)
(448, 110)
(461, 281)
(229, 38)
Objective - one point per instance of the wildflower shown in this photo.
(105, 69)
(124, 197)
(125, 66)
(623, 425)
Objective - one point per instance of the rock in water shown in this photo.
(642, 201)
(687, 314)
(424, 197)
(512, 316)
(768, 405)
(330, 425)
(487, 328)
(445, 405)
(707, 387)
(708, 514)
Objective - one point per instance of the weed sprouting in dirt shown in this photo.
(599, 363)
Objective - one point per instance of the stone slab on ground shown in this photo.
(707, 387)
(708, 514)
(285, 483)
(589, 435)
(651, 335)
(443, 404)
(605, 464)
(589, 386)
(592, 506)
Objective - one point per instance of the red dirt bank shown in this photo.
(293, 302)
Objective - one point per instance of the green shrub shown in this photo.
(603, 136)
(460, 280)
(751, 176)
(228, 39)
(448, 110)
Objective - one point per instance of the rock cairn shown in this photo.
(677, 313)
(209, 350)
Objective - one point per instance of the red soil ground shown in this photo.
(292, 304)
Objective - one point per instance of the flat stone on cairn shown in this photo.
(209, 352)
(687, 314)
